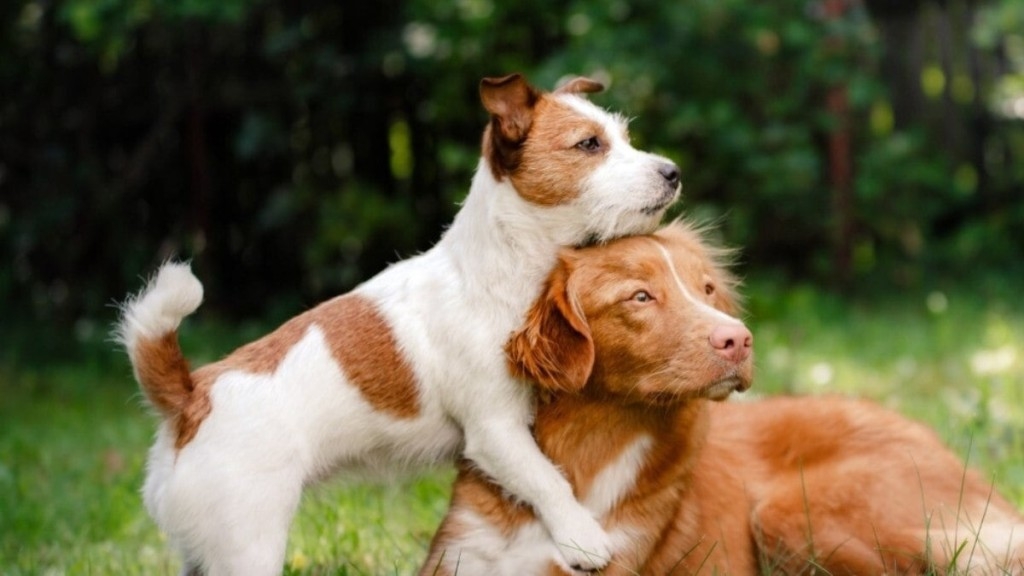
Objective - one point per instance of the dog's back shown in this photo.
(858, 489)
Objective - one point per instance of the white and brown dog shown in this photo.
(407, 369)
(632, 341)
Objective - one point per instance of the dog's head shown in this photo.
(559, 150)
(646, 318)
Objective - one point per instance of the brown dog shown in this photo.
(630, 341)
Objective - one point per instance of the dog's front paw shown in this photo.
(584, 545)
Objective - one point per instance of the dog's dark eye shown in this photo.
(709, 288)
(591, 144)
(641, 296)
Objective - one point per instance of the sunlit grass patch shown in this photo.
(346, 528)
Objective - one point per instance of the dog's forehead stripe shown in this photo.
(613, 124)
(686, 293)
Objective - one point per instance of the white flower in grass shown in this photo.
(821, 374)
(1001, 412)
(963, 404)
(993, 361)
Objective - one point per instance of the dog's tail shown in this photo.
(148, 329)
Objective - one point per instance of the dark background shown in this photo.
(291, 149)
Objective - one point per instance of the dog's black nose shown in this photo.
(671, 174)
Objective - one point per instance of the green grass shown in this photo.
(74, 433)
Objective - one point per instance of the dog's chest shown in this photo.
(451, 327)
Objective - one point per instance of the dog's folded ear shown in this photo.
(510, 100)
(554, 348)
(580, 85)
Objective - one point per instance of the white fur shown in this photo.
(159, 308)
(227, 497)
(618, 478)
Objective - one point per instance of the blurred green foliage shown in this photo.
(292, 149)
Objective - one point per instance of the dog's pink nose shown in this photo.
(732, 342)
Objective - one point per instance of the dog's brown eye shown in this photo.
(642, 296)
(709, 289)
(591, 144)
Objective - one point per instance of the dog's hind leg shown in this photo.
(236, 527)
(795, 536)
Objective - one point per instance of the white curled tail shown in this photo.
(148, 331)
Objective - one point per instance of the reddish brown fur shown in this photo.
(583, 432)
(551, 166)
(532, 138)
(798, 485)
(554, 348)
(165, 375)
(866, 479)
(510, 101)
(360, 339)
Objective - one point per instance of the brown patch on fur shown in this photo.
(533, 138)
(163, 373)
(182, 398)
(363, 344)
(198, 406)
(551, 165)
(510, 101)
(360, 340)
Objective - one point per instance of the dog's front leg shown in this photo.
(505, 450)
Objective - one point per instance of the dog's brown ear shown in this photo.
(580, 85)
(510, 100)
(554, 348)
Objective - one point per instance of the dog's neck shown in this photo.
(498, 234)
(585, 433)
(626, 463)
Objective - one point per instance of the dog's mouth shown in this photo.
(663, 202)
(718, 390)
(654, 210)
(723, 388)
